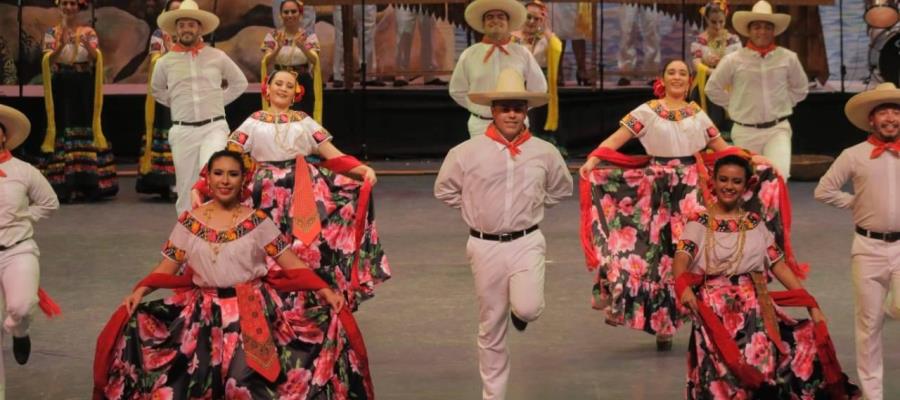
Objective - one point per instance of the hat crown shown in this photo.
(189, 5)
(885, 86)
(510, 80)
(762, 7)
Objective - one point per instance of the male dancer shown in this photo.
(196, 82)
(874, 168)
(502, 181)
(766, 82)
(479, 66)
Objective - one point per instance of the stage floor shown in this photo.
(421, 326)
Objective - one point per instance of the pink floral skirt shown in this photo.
(797, 374)
(189, 345)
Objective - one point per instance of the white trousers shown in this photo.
(191, 149)
(365, 24)
(509, 274)
(406, 26)
(774, 143)
(876, 267)
(646, 21)
(19, 277)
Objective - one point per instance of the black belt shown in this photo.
(482, 118)
(889, 237)
(226, 292)
(503, 237)
(4, 248)
(199, 123)
(763, 125)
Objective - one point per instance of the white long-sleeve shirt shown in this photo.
(876, 185)
(25, 197)
(763, 89)
(192, 85)
(472, 74)
(499, 194)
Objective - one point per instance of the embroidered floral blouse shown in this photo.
(290, 53)
(158, 42)
(73, 51)
(670, 133)
(759, 249)
(703, 46)
(225, 258)
(266, 139)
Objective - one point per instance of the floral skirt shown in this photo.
(189, 345)
(332, 254)
(160, 178)
(76, 168)
(636, 217)
(798, 374)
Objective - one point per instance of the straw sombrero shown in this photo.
(17, 126)
(475, 13)
(190, 10)
(762, 11)
(860, 106)
(510, 86)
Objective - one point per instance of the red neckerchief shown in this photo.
(761, 50)
(194, 50)
(5, 155)
(880, 147)
(501, 45)
(513, 146)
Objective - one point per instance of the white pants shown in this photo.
(191, 149)
(19, 277)
(876, 267)
(631, 16)
(406, 26)
(365, 24)
(774, 143)
(509, 274)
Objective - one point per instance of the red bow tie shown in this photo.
(881, 147)
(4, 156)
(194, 50)
(513, 146)
(501, 45)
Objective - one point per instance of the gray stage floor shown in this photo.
(421, 326)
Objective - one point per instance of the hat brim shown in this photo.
(17, 126)
(515, 10)
(860, 106)
(208, 21)
(742, 19)
(487, 98)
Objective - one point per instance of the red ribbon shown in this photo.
(513, 146)
(47, 304)
(501, 45)
(728, 349)
(5, 155)
(194, 50)
(880, 147)
(281, 280)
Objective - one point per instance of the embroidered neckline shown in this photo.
(203, 231)
(283, 118)
(729, 225)
(673, 115)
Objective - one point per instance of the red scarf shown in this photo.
(501, 45)
(5, 155)
(761, 50)
(194, 50)
(513, 146)
(880, 147)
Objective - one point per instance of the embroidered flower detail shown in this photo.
(712, 132)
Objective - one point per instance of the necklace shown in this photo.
(217, 246)
(729, 264)
(281, 137)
